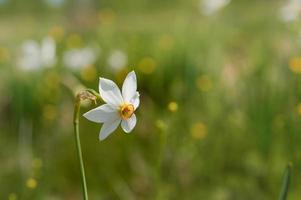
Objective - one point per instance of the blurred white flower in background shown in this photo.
(119, 107)
(48, 52)
(35, 56)
(79, 58)
(291, 10)
(209, 7)
(55, 3)
(3, 2)
(117, 60)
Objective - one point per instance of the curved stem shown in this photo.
(78, 145)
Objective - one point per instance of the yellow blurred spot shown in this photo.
(57, 32)
(166, 42)
(4, 55)
(198, 130)
(107, 16)
(173, 106)
(89, 73)
(49, 112)
(160, 124)
(295, 65)
(74, 41)
(36, 163)
(12, 196)
(299, 109)
(147, 65)
(52, 80)
(31, 183)
(204, 83)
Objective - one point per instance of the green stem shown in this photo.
(285, 182)
(78, 146)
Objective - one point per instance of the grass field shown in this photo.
(220, 111)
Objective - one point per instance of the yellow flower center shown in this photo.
(126, 111)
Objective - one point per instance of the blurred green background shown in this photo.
(220, 85)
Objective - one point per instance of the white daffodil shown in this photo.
(35, 56)
(79, 58)
(119, 107)
(209, 7)
(291, 10)
(117, 60)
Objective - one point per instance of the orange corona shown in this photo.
(126, 111)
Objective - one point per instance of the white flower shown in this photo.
(79, 58)
(48, 49)
(3, 2)
(117, 60)
(35, 56)
(119, 107)
(209, 7)
(55, 3)
(291, 10)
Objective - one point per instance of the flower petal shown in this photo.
(135, 100)
(128, 125)
(108, 127)
(101, 114)
(109, 92)
(129, 86)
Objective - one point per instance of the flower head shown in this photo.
(209, 7)
(117, 60)
(79, 58)
(119, 107)
(291, 10)
(35, 56)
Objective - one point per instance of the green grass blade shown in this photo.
(285, 182)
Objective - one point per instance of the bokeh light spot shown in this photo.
(198, 130)
(295, 65)
(160, 124)
(173, 106)
(299, 109)
(31, 183)
(147, 65)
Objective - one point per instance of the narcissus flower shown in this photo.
(210, 7)
(119, 107)
(117, 60)
(79, 58)
(34, 56)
